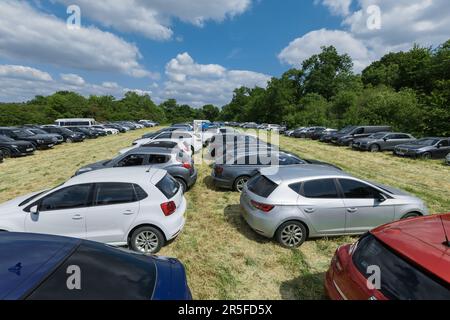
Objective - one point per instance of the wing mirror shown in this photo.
(34, 210)
(381, 198)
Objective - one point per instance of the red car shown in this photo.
(405, 260)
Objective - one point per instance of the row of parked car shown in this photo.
(291, 199)
(378, 139)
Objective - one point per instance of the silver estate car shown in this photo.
(293, 204)
(382, 141)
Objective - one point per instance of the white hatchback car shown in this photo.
(139, 207)
(194, 141)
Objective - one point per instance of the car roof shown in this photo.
(421, 241)
(152, 150)
(302, 172)
(25, 259)
(139, 175)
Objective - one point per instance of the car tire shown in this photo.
(239, 183)
(291, 234)
(374, 148)
(6, 153)
(69, 140)
(426, 156)
(183, 184)
(147, 240)
(411, 215)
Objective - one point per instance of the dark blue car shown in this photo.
(44, 267)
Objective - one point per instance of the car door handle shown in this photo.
(352, 210)
(310, 210)
(128, 213)
(77, 217)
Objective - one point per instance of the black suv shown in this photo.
(68, 135)
(15, 148)
(39, 141)
(40, 131)
(90, 134)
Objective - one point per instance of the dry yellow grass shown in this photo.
(223, 257)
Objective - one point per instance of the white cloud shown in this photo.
(23, 73)
(336, 7)
(153, 18)
(403, 23)
(302, 48)
(73, 79)
(26, 34)
(199, 84)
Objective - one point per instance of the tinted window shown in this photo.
(140, 193)
(132, 160)
(67, 198)
(106, 273)
(168, 186)
(357, 190)
(289, 160)
(320, 189)
(261, 186)
(158, 159)
(443, 143)
(400, 279)
(114, 193)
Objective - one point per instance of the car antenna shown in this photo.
(446, 242)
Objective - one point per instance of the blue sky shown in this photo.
(196, 51)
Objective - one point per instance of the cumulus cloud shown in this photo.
(26, 34)
(403, 24)
(23, 73)
(73, 79)
(199, 84)
(153, 18)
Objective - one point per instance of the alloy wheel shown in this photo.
(240, 184)
(146, 242)
(291, 235)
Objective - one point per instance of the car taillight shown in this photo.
(168, 208)
(218, 170)
(187, 165)
(263, 207)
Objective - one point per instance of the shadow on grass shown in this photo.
(232, 214)
(209, 183)
(306, 287)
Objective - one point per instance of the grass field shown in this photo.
(223, 257)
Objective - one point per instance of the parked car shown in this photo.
(308, 132)
(106, 273)
(40, 131)
(155, 133)
(329, 137)
(358, 133)
(235, 170)
(177, 163)
(426, 148)
(296, 203)
(250, 125)
(194, 140)
(105, 129)
(118, 127)
(88, 133)
(412, 256)
(68, 135)
(319, 134)
(299, 132)
(219, 144)
(166, 144)
(15, 148)
(39, 141)
(447, 159)
(140, 207)
(382, 141)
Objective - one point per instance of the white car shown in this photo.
(194, 140)
(135, 206)
(105, 129)
(182, 145)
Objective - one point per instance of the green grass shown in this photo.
(224, 258)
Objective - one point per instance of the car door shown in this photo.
(115, 207)
(366, 207)
(443, 149)
(62, 212)
(321, 204)
(394, 140)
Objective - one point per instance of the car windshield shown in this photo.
(347, 129)
(6, 139)
(38, 131)
(377, 136)
(399, 279)
(23, 133)
(426, 142)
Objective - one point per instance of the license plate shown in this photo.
(29, 150)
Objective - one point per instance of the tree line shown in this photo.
(408, 90)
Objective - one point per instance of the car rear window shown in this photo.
(134, 276)
(168, 186)
(399, 278)
(261, 186)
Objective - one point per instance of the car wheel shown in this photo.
(374, 148)
(240, 182)
(6, 153)
(426, 156)
(147, 240)
(411, 215)
(291, 234)
(69, 140)
(182, 184)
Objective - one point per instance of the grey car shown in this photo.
(447, 159)
(293, 204)
(235, 170)
(426, 148)
(383, 141)
(177, 163)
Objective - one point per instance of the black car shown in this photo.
(68, 135)
(90, 134)
(15, 148)
(426, 148)
(1, 156)
(40, 131)
(39, 141)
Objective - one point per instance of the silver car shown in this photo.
(382, 141)
(293, 204)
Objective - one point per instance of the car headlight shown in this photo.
(40, 141)
(14, 146)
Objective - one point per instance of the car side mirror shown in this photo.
(34, 210)
(381, 198)
(385, 139)
(438, 146)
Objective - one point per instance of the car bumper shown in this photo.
(46, 146)
(177, 222)
(331, 290)
(261, 223)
